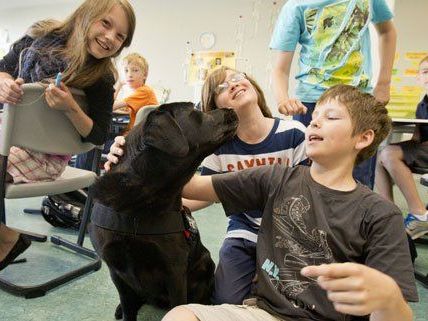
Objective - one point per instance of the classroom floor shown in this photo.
(94, 297)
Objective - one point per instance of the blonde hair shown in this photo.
(217, 77)
(83, 69)
(135, 58)
(366, 113)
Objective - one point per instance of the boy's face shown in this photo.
(134, 75)
(329, 137)
(423, 75)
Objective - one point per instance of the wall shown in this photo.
(165, 26)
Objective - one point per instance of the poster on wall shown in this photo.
(405, 92)
(204, 62)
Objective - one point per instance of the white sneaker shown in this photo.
(415, 227)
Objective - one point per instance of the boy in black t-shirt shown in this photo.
(329, 248)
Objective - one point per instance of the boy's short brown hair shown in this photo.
(139, 60)
(366, 113)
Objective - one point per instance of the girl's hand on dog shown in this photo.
(60, 98)
(10, 90)
(115, 152)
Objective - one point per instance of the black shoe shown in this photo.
(20, 246)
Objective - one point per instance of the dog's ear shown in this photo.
(162, 132)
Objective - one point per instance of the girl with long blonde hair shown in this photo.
(81, 48)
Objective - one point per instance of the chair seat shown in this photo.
(72, 179)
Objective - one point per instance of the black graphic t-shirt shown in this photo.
(305, 223)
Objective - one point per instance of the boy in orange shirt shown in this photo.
(136, 70)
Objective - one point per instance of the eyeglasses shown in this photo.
(237, 77)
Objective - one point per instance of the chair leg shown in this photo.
(3, 168)
(86, 217)
(32, 211)
(95, 264)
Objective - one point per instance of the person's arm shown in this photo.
(387, 45)
(119, 104)
(200, 188)
(60, 98)
(281, 78)
(195, 205)
(359, 290)
(10, 89)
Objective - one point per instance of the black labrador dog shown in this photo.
(151, 246)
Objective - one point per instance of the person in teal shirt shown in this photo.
(335, 49)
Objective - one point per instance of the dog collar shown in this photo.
(156, 224)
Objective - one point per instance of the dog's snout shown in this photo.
(230, 116)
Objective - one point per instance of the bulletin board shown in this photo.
(204, 62)
(405, 92)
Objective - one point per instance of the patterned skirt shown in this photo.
(26, 166)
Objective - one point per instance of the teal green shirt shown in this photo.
(335, 41)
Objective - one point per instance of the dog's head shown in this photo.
(163, 152)
(181, 131)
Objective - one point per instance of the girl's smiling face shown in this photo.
(235, 92)
(107, 35)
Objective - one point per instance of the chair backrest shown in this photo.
(143, 112)
(33, 124)
(162, 93)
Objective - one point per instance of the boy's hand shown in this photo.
(60, 98)
(355, 289)
(10, 90)
(382, 92)
(115, 152)
(292, 106)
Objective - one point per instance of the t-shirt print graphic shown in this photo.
(301, 246)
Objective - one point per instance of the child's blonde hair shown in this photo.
(366, 113)
(217, 77)
(83, 69)
(135, 58)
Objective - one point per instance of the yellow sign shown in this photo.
(417, 55)
(204, 62)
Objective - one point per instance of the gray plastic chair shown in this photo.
(143, 112)
(32, 124)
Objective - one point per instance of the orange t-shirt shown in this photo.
(142, 96)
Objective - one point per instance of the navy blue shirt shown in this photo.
(422, 113)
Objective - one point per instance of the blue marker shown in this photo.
(58, 79)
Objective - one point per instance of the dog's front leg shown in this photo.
(130, 301)
(177, 287)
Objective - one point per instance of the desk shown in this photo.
(119, 123)
(404, 126)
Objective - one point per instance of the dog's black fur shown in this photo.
(161, 154)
